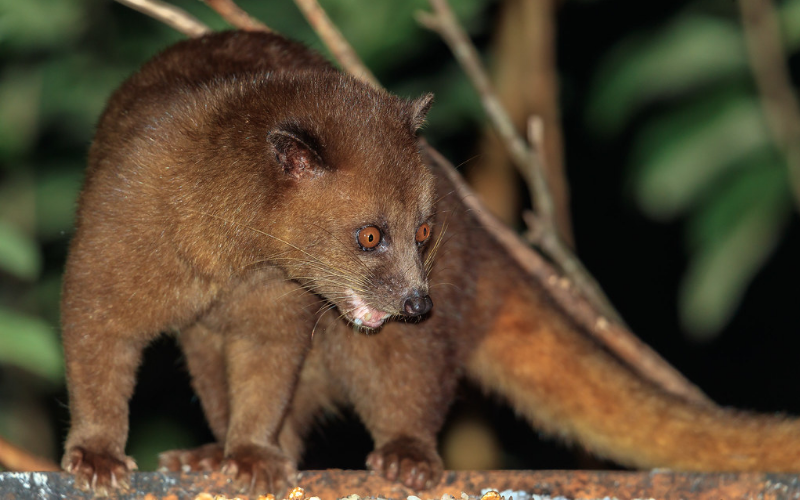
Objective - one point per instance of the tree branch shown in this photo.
(444, 23)
(170, 15)
(543, 229)
(768, 63)
(236, 17)
(333, 39)
(618, 339)
(524, 79)
(189, 25)
(16, 459)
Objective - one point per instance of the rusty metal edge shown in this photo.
(522, 485)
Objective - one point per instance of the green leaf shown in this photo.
(19, 254)
(20, 95)
(75, 90)
(681, 154)
(761, 181)
(56, 199)
(31, 344)
(789, 13)
(686, 55)
(733, 237)
(44, 297)
(40, 24)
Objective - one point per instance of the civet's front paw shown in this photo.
(101, 473)
(408, 461)
(260, 470)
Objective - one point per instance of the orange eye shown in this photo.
(369, 237)
(423, 233)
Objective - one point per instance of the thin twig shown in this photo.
(527, 159)
(237, 17)
(333, 39)
(444, 23)
(13, 458)
(768, 62)
(548, 238)
(170, 15)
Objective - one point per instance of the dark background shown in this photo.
(639, 262)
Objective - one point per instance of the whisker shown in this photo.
(344, 277)
(428, 264)
(321, 313)
(258, 231)
(445, 283)
(332, 278)
(445, 195)
(471, 158)
(352, 286)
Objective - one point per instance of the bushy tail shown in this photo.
(567, 386)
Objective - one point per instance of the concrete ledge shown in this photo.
(522, 485)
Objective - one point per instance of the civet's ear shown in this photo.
(419, 110)
(297, 152)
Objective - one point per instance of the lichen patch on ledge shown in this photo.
(461, 485)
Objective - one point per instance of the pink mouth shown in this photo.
(364, 315)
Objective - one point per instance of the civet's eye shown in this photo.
(369, 237)
(423, 233)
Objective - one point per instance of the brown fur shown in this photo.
(226, 186)
(577, 391)
(183, 225)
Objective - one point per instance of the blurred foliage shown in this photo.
(61, 60)
(701, 149)
(28, 343)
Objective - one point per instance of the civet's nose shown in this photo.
(417, 305)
